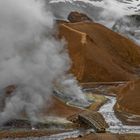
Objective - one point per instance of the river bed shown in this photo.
(115, 125)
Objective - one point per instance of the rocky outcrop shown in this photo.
(127, 107)
(78, 17)
(99, 54)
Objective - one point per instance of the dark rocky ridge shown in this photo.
(78, 17)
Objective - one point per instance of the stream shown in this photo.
(115, 125)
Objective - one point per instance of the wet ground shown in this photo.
(115, 125)
(98, 100)
(61, 136)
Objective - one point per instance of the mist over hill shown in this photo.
(106, 12)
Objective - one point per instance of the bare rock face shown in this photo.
(99, 54)
(78, 17)
(127, 107)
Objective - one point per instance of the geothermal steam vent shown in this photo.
(31, 58)
(46, 46)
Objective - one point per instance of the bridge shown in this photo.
(94, 120)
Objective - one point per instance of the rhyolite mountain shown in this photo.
(99, 54)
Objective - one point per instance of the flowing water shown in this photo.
(115, 125)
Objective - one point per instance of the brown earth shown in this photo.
(27, 133)
(59, 108)
(128, 103)
(106, 136)
(99, 54)
(92, 136)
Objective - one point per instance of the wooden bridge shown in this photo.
(91, 119)
(94, 120)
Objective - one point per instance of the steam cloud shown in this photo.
(30, 57)
(114, 7)
(113, 10)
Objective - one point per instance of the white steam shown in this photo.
(68, 85)
(116, 9)
(30, 57)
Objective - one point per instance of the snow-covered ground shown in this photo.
(132, 6)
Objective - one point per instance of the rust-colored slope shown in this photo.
(59, 108)
(99, 54)
(128, 103)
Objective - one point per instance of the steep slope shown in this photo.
(99, 54)
(128, 103)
